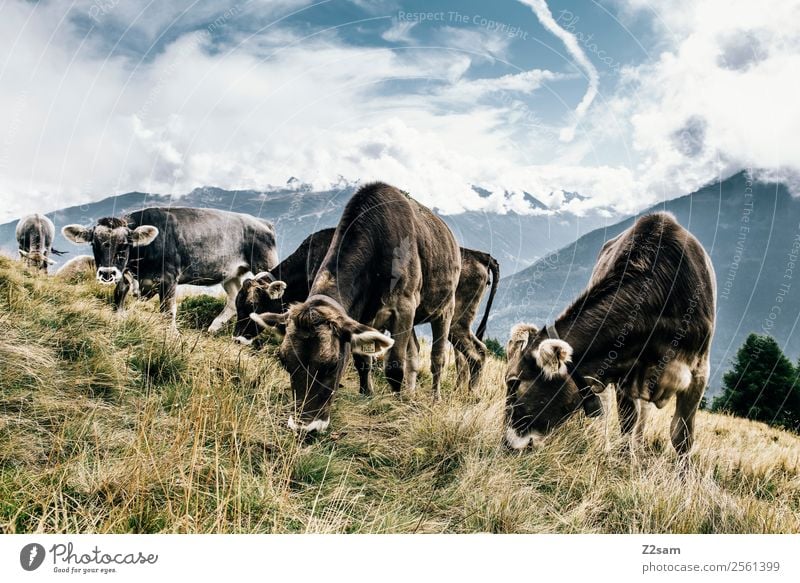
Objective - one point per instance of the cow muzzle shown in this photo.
(243, 340)
(515, 441)
(108, 275)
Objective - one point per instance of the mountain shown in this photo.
(517, 240)
(750, 229)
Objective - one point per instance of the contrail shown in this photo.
(546, 19)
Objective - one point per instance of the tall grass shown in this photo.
(112, 424)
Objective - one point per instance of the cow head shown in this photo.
(111, 241)
(314, 350)
(261, 294)
(35, 259)
(541, 393)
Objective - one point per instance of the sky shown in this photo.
(627, 102)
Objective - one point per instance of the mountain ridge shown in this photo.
(297, 210)
(749, 273)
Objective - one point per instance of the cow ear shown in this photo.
(143, 235)
(370, 342)
(552, 357)
(270, 320)
(276, 289)
(520, 335)
(77, 234)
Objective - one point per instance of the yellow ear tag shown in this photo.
(368, 348)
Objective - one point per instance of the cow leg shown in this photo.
(441, 329)
(686, 404)
(168, 300)
(401, 329)
(120, 293)
(628, 412)
(412, 363)
(462, 369)
(232, 287)
(472, 353)
(363, 365)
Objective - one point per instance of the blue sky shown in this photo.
(625, 101)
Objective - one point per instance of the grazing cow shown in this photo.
(35, 234)
(165, 247)
(392, 264)
(644, 323)
(265, 294)
(287, 283)
(79, 265)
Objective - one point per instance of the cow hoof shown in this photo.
(214, 328)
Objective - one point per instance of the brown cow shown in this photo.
(392, 264)
(644, 323)
(291, 280)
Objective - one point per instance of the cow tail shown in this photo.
(494, 268)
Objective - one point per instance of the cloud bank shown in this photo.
(211, 93)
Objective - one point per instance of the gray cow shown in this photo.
(164, 247)
(35, 234)
(644, 324)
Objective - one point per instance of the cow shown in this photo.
(77, 266)
(35, 234)
(392, 264)
(644, 323)
(265, 293)
(287, 283)
(165, 247)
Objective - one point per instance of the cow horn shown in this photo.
(269, 320)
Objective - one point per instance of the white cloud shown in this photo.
(479, 43)
(80, 126)
(721, 96)
(76, 125)
(546, 19)
(399, 32)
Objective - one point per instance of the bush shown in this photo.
(199, 311)
(495, 347)
(762, 385)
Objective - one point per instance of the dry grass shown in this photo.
(109, 424)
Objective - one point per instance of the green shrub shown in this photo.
(495, 347)
(199, 311)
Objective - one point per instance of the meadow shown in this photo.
(111, 424)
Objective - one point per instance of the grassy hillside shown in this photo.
(108, 424)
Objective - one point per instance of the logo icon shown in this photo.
(31, 556)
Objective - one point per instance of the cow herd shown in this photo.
(643, 324)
